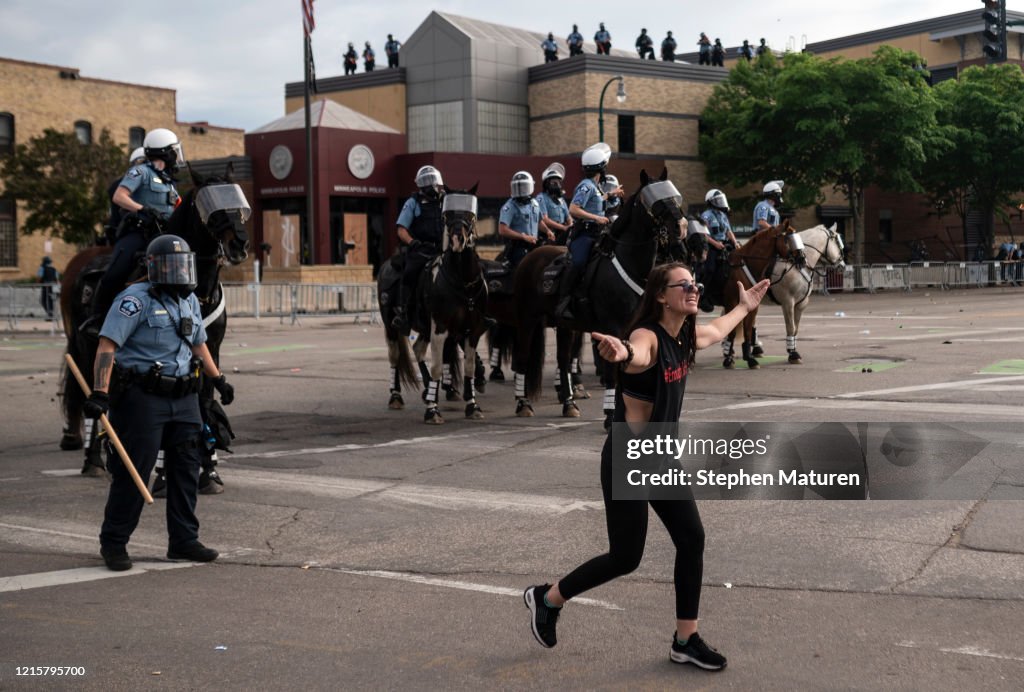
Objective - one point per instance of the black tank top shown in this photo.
(664, 383)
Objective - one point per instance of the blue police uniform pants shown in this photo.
(416, 257)
(147, 423)
(515, 254)
(579, 249)
(113, 281)
(711, 265)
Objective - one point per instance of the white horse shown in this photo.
(790, 282)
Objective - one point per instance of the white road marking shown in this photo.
(957, 384)
(10, 480)
(408, 441)
(456, 584)
(61, 472)
(78, 575)
(997, 410)
(67, 534)
(943, 334)
(441, 497)
(965, 650)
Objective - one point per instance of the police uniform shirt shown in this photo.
(150, 189)
(391, 47)
(602, 36)
(588, 197)
(549, 45)
(766, 211)
(555, 209)
(575, 38)
(717, 223)
(146, 331)
(522, 218)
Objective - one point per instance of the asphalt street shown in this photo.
(363, 549)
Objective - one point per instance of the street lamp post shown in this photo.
(620, 96)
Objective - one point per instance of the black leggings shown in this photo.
(627, 534)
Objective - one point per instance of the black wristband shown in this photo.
(629, 354)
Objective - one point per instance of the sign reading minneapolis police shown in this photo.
(784, 461)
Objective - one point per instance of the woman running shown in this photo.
(653, 361)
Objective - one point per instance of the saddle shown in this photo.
(498, 276)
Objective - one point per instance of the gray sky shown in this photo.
(229, 61)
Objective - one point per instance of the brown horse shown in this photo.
(222, 238)
(768, 256)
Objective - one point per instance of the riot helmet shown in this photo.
(390, 37)
(595, 158)
(602, 26)
(609, 184)
(552, 178)
(137, 156)
(773, 191)
(716, 199)
(171, 265)
(522, 185)
(163, 145)
(551, 36)
(428, 180)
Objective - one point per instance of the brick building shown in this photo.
(34, 97)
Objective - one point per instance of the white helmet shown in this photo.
(555, 170)
(717, 199)
(522, 184)
(137, 155)
(773, 190)
(596, 157)
(610, 183)
(163, 144)
(428, 176)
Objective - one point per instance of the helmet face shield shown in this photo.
(428, 176)
(176, 269)
(221, 197)
(522, 184)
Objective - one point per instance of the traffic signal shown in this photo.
(994, 31)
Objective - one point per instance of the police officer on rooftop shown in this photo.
(151, 351)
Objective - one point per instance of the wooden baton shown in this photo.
(114, 439)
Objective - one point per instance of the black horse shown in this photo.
(613, 282)
(218, 238)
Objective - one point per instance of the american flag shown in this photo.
(307, 16)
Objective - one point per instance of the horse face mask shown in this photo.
(662, 198)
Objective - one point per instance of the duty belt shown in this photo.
(154, 383)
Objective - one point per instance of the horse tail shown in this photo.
(404, 360)
(501, 338)
(533, 375)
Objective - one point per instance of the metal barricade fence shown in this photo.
(25, 301)
(888, 277)
(296, 300)
(927, 275)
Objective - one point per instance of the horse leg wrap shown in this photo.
(790, 343)
(753, 337)
(90, 427)
(424, 372)
(746, 350)
(609, 400)
(495, 357)
(468, 390)
(432, 393)
(446, 378)
(395, 387)
(576, 367)
(520, 385)
(726, 347)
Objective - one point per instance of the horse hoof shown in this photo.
(729, 363)
(570, 410)
(90, 470)
(497, 376)
(580, 392)
(757, 351)
(753, 364)
(524, 409)
(396, 403)
(795, 359)
(433, 417)
(474, 412)
(69, 442)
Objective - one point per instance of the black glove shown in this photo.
(227, 392)
(96, 405)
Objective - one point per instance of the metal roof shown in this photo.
(479, 30)
(329, 114)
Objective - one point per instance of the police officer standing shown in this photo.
(369, 58)
(575, 42)
(351, 59)
(645, 45)
(519, 219)
(704, 48)
(668, 48)
(421, 228)
(550, 48)
(554, 212)
(603, 39)
(391, 48)
(151, 349)
(718, 54)
(147, 191)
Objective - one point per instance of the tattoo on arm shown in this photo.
(101, 374)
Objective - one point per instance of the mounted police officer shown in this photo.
(603, 39)
(136, 158)
(550, 48)
(147, 373)
(519, 220)
(554, 212)
(391, 48)
(351, 59)
(645, 45)
(720, 241)
(575, 42)
(613, 205)
(668, 48)
(587, 208)
(421, 228)
(766, 215)
(147, 192)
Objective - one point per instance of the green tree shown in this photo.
(63, 183)
(814, 123)
(981, 116)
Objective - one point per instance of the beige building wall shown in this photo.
(385, 104)
(39, 98)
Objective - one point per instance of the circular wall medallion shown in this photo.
(360, 161)
(280, 161)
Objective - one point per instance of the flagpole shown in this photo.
(307, 50)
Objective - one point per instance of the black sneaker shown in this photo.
(210, 483)
(544, 618)
(116, 558)
(194, 552)
(697, 652)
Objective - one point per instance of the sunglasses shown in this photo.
(688, 287)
